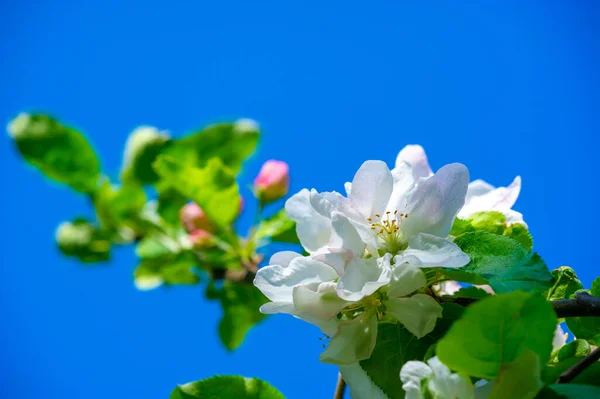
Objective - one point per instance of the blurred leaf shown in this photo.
(587, 377)
(569, 391)
(576, 348)
(170, 202)
(226, 387)
(118, 206)
(232, 143)
(143, 146)
(519, 378)
(278, 227)
(396, 345)
(480, 345)
(213, 188)
(240, 304)
(150, 247)
(61, 153)
(503, 262)
(82, 240)
(171, 269)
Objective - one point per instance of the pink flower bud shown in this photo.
(272, 181)
(194, 218)
(201, 239)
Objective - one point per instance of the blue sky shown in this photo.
(504, 87)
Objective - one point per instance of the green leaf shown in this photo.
(232, 143)
(170, 202)
(83, 240)
(143, 146)
(119, 206)
(278, 227)
(227, 387)
(151, 247)
(396, 345)
(569, 391)
(518, 379)
(176, 268)
(213, 188)
(240, 304)
(60, 152)
(566, 284)
(589, 376)
(494, 332)
(576, 348)
(503, 262)
(495, 223)
(587, 327)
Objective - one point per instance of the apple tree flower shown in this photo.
(481, 196)
(434, 380)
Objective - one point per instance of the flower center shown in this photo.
(371, 303)
(387, 229)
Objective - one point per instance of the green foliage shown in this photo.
(118, 207)
(278, 227)
(240, 304)
(589, 376)
(576, 348)
(471, 292)
(83, 240)
(518, 379)
(142, 148)
(565, 285)
(232, 143)
(480, 345)
(587, 327)
(495, 223)
(569, 391)
(226, 387)
(60, 152)
(213, 187)
(171, 268)
(504, 263)
(396, 345)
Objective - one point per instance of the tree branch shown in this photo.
(340, 388)
(584, 305)
(579, 367)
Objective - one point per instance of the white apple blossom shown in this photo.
(440, 383)
(481, 196)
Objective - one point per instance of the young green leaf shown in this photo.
(232, 143)
(503, 262)
(213, 187)
(396, 345)
(240, 304)
(171, 269)
(60, 152)
(279, 228)
(494, 332)
(227, 387)
(84, 241)
(143, 146)
(565, 285)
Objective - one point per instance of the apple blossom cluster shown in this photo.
(368, 250)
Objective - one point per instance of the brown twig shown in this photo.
(579, 367)
(340, 388)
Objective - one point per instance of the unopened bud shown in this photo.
(202, 239)
(273, 181)
(194, 218)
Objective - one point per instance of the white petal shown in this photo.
(371, 188)
(361, 386)
(283, 258)
(513, 217)
(415, 156)
(318, 299)
(348, 188)
(434, 203)
(345, 230)
(444, 384)
(353, 342)
(314, 230)
(411, 375)
(482, 197)
(277, 282)
(406, 279)
(277, 307)
(418, 313)
(403, 183)
(362, 277)
(432, 251)
(337, 258)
